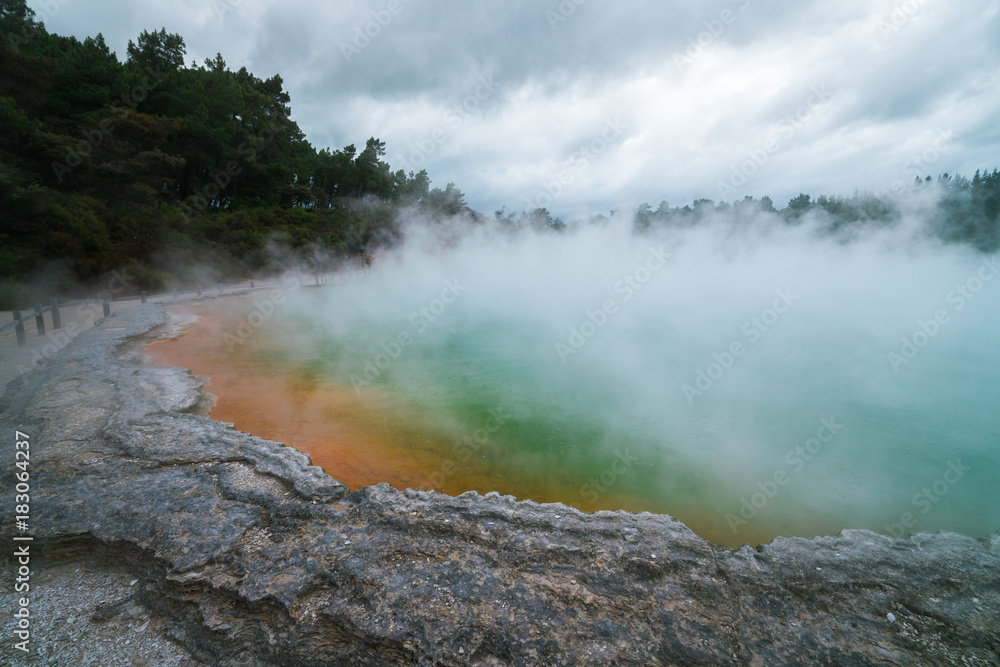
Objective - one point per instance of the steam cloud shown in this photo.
(714, 356)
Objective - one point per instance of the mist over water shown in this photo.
(751, 378)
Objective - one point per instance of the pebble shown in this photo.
(890, 617)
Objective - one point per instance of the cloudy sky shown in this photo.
(584, 106)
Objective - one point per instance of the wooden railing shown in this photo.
(22, 318)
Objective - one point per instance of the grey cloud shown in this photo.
(896, 76)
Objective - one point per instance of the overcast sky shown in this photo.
(584, 106)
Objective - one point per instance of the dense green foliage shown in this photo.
(964, 211)
(181, 174)
(158, 168)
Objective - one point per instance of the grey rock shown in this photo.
(255, 557)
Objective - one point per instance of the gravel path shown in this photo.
(84, 613)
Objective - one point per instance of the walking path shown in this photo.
(78, 316)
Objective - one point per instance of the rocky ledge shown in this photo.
(253, 556)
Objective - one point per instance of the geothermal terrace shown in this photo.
(202, 544)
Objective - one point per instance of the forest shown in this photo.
(166, 170)
(965, 211)
(155, 167)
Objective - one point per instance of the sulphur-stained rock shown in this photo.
(249, 555)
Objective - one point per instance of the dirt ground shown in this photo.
(83, 610)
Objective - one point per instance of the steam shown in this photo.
(751, 377)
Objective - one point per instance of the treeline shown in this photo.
(964, 211)
(958, 210)
(188, 173)
(159, 167)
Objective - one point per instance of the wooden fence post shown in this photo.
(39, 319)
(56, 319)
(19, 328)
(107, 308)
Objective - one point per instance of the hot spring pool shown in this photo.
(750, 394)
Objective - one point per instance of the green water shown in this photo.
(547, 426)
(748, 459)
